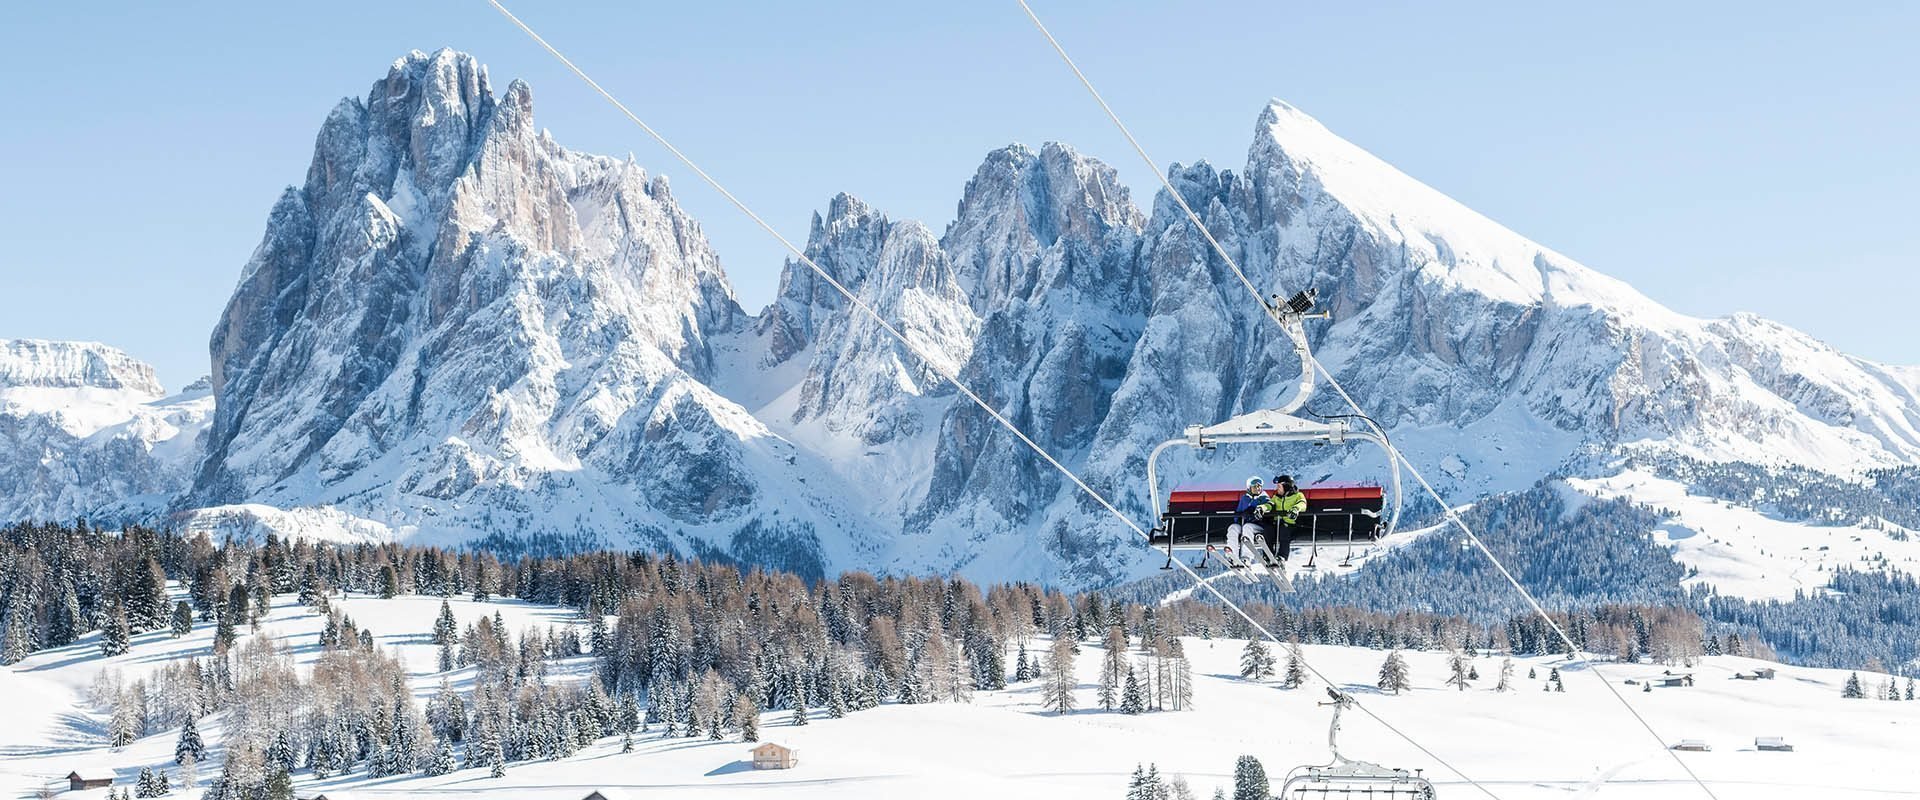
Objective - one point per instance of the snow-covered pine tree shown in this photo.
(1154, 786)
(1250, 780)
(838, 700)
(1022, 671)
(17, 638)
(1553, 680)
(1458, 670)
(1393, 674)
(182, 619)
(313, 593)
(115, 634)
(446, 629)
(629, 713)
(800, 708)
(1852, 690)
(224, 634)
(1132, 698)
(1256, 661)
(65, 623)
(189, 746)
(1296, 673)
(441, 762)
(145, 785)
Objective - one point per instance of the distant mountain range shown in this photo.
(456, 329)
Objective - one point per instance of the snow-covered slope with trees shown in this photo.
(1523, 743)
(457, 329)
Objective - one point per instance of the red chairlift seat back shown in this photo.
(1198, 515)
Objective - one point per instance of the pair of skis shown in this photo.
(1263, 562)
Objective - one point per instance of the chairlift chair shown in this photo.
(1345, 778)
(1195, 520)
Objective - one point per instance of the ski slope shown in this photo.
(1527, 743)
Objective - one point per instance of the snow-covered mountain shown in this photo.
(87, 431)
(456, 329)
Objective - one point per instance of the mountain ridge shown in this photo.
(456, 328)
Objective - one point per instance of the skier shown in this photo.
(1287, 505)
(1254, 507)
(1288, 502)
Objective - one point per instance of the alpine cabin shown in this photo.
(772, 756)
(78, 781)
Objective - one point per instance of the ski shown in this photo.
(1274, 566)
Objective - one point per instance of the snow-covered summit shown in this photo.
(1294, 156)
(39, 363)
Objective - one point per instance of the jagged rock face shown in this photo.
(846, 243)
(1048, 240)
(454, 311)
(456, 328)
(87, 431)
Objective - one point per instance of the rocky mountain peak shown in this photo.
(1021, 202)
(449, 271)
(43, 364)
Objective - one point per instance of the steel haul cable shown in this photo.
(1314, 363)
(935, 365)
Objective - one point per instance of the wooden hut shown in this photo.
(77, 780)
(773, 756)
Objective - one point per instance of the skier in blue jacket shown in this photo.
(1249, 516)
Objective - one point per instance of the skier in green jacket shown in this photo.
(1288, 503)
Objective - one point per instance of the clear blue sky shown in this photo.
(1720, 156)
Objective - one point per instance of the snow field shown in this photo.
(1523, 744)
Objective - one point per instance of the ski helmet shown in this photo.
(1253, 482)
